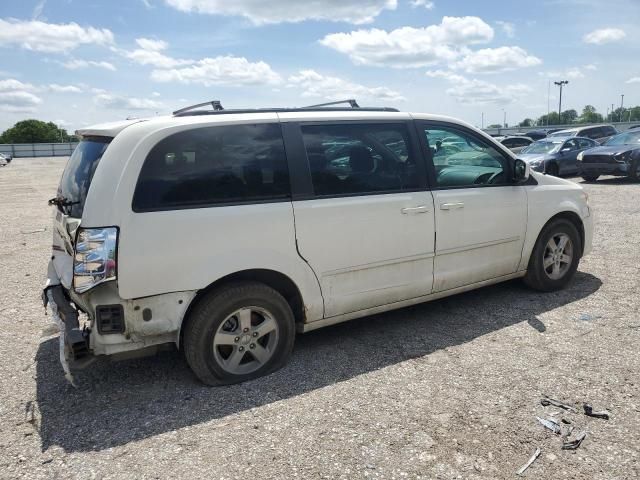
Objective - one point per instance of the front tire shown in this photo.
(590, 178)
(239, 332)
(555, 257)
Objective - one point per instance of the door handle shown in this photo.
(409, 210)
(451, 206)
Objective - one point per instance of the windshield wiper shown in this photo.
(61, 202)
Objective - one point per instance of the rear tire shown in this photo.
(590, 178)
(555, 256)
(552, 169)
(239, 332)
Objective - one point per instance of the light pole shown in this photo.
(482, 121)
(621, 106)
(504, 121)
(560, 84)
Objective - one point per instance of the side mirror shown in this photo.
(521, 171)
(565, 150)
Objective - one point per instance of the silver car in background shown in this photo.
(556, 155)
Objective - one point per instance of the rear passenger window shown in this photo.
(348, 159)
(214, 165)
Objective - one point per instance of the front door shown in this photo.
(480, 216)
(367, 229)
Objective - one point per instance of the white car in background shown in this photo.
(226, 232)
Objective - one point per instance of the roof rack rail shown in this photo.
(350, 101)
(215, 104)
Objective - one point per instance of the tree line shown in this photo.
(36, 131)
(589, 115)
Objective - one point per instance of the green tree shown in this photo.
(35, 131)
(590, 115)
(495, 125)
(527, 122)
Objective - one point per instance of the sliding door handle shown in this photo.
(451, 206)
(420, 209)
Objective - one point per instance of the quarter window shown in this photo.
(462, 160)
(352, 159)
(214, 165)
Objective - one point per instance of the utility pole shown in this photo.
(560, 84)
(482, 127)
(505, 118)
(548, 100)
(621, 106)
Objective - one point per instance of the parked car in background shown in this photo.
(633, 127)
(599, 133)
(216, 237)
(536, 134)
(516, 143)
(620, 155)
(6, 156)
(3, 161)
(556, 155)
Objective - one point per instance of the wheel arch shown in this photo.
(572, 217)
(276, 280)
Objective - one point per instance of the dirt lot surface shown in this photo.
(448, 389)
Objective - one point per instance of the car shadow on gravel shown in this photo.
(120, 402)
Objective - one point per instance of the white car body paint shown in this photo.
(394, 258)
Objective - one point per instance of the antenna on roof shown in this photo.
(350, 101)
(215, 104)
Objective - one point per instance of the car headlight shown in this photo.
(94, 259)
(580, 156)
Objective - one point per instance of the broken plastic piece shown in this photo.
(535, 455)
(550, 424)
(546, 401)
(574, 444)
(588, 411)
(63, 348)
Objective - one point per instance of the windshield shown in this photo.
(75, 181)
(628, 138)
(542, 147)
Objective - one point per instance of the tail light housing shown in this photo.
(94, 260)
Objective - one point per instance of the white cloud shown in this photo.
(572, 73)
(227, 70)
(75, 64)
(278, 11)
(18, 97)
(411, 47)
(633, 80)
(151, 44)
(37, 10)
(334, 88)
(604, 35)
(150, 53)
(501, 59)
(480, 92)
(429, 5)
(508, 28)
(147, 4)
(120, 102)
(50, 37)
(54, 87)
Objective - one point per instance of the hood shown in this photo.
(610, 150)
(534, 157)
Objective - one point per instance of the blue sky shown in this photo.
(81, 62)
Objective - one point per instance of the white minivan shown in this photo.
(225, 232)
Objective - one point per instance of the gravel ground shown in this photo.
(448, 389)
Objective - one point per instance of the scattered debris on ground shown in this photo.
(588, 410)
(546, 401)
(533, 458)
